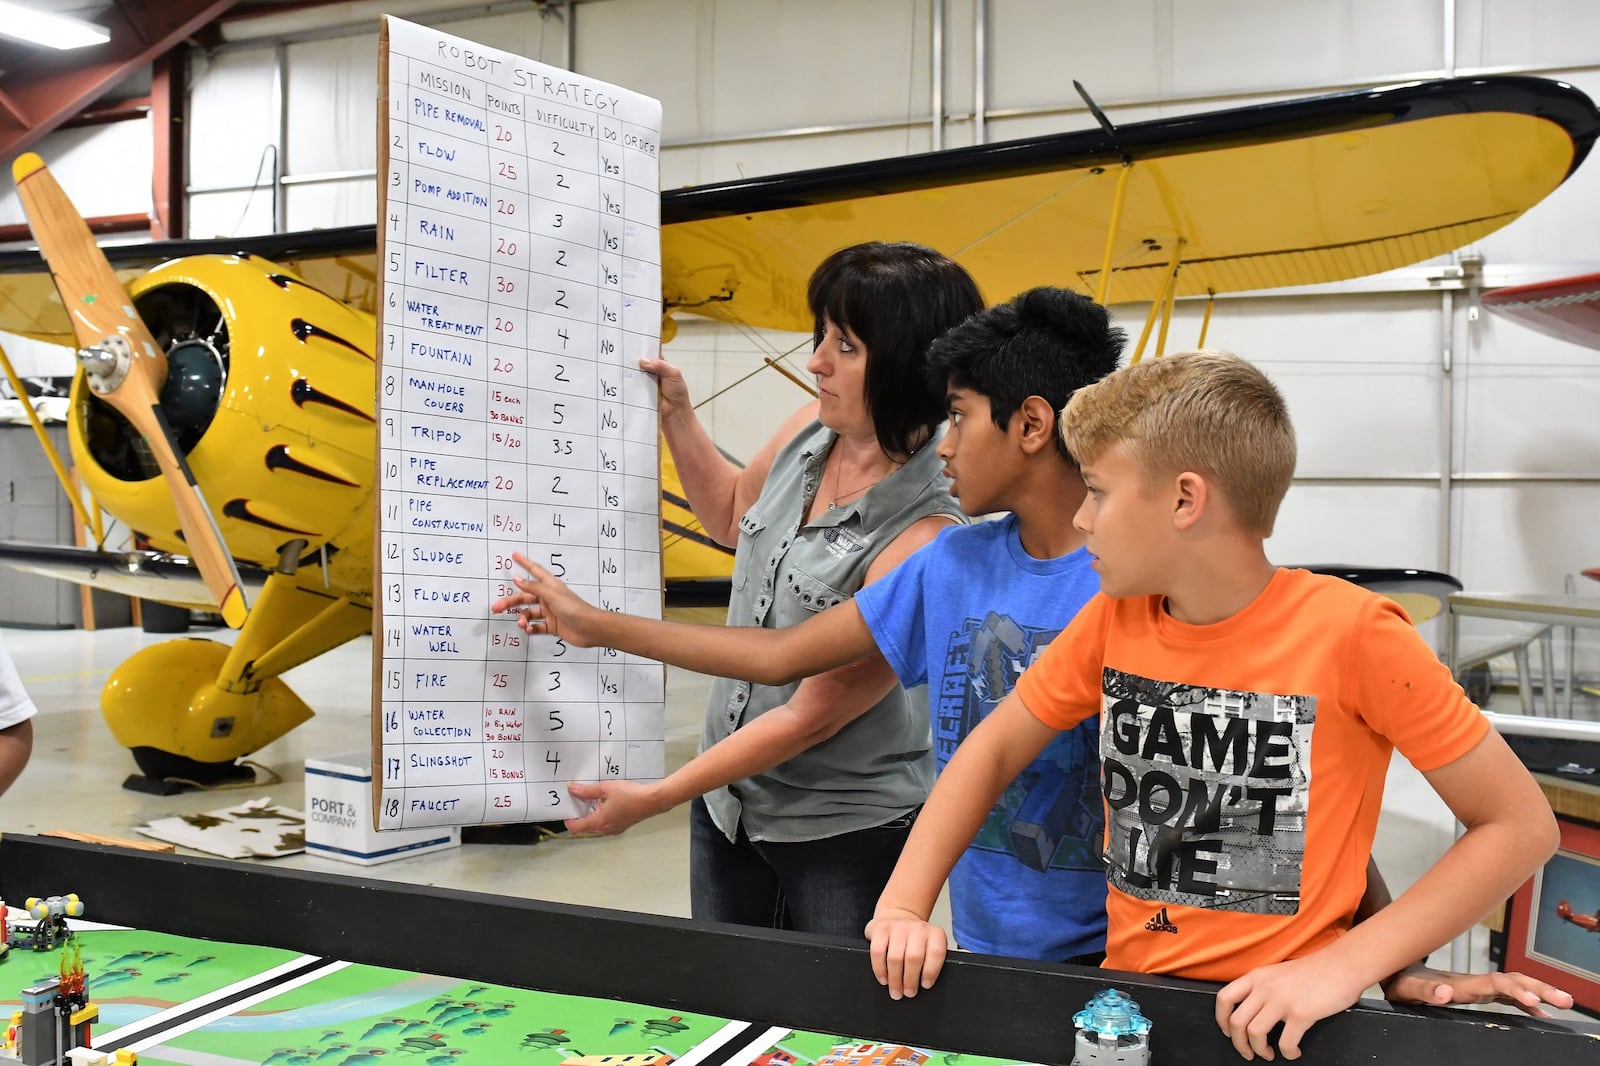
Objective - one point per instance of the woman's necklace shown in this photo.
(833, 502)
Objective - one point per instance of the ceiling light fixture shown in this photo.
(53, 31)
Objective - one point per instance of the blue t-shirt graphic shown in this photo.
(966, 615)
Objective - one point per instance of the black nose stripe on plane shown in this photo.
(303, 330)
(239, 509)
(303, 392)
(278, 458)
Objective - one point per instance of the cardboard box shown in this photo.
(339, 816)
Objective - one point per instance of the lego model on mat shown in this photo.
(47, 930)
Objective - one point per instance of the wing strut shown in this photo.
(1205, 321)
(790, 374)
(1171, 298)
(1162, 304)
(1103, 289)
(91, 523)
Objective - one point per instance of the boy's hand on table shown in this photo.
(1296, 993)
(1442, 988)
(907, 951)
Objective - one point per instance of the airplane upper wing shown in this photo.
(1293, 193)
(1298, 192)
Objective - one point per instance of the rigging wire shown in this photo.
(741, 380)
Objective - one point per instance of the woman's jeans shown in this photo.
(817, 886)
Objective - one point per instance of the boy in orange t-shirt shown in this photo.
(1248, 716)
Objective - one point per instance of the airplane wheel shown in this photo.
(163, 617)
(161, 765)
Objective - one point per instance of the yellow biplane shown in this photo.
(224, 405)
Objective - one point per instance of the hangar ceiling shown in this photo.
(41, 88)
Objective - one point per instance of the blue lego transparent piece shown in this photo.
(1111, 1013)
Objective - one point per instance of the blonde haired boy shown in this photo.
(1248, 715)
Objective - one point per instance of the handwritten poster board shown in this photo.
(520, 254)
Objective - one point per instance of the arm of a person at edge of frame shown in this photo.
(1510, 831)
(818, 708)
(1419, 983)
(16, 747)
(719, 490)
(908, 950)
(833, 638)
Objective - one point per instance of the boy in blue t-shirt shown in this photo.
(966, 614)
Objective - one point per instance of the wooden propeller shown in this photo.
(125, 366)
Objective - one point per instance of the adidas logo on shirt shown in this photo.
(1161, 923)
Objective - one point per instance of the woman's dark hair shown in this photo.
(897, 298)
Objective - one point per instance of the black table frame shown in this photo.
(981, 1005)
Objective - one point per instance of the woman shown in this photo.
(803, 794)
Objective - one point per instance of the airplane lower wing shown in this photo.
(341, 261)
(145, 575)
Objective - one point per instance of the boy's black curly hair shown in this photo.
(1047, 342)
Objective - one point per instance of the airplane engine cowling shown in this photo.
(270, 394)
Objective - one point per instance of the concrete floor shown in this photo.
(74, 779)
(74, 783)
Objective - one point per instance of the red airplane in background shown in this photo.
(1590, 922)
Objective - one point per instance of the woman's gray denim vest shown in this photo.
(879, 767)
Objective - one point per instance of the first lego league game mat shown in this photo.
(190, 1002)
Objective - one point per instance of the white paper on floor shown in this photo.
(259, 828)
